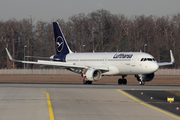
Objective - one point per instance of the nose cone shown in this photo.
(154, 67)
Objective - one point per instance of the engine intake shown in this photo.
(92, 74)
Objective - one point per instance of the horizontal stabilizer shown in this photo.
(45, 58)
(57, 63)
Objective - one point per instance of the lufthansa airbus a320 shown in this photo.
(92, 66)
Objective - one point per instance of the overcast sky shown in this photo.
(48, 10)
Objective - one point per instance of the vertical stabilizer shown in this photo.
(61, 45)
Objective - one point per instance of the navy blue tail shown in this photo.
(61, 45)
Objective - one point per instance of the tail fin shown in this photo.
(62, 47)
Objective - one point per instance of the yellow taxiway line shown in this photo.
(143, 103)
(51, 115)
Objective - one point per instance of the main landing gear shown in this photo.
(84, 78)
(122, 81)
(87, 82)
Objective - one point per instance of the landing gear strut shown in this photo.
(122, 81)
(140, 79)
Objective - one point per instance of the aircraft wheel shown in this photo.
(89, 82)
(85, 82)
(141, 83)
(124, 81)
(120, 81)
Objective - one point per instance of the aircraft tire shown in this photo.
(120, 81)
(85, 82)
(141, 83)
(89, 82)
(124, 81)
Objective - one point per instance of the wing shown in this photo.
(168, 63)
(57, 63)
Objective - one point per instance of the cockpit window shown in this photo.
(148, 59)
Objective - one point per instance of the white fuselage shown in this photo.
(119, 63)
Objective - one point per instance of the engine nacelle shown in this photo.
(92, 74)
(145, 77)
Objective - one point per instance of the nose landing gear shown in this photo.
(140, 79)
(141, 83)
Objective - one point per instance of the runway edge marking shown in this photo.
(143, 103)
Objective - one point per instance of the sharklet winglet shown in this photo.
(10, 57)
(172, 57)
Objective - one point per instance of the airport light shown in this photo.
(83, 48)
(24, 54)
(145, 47)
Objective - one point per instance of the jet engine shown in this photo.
(145, 77)
(92, 74)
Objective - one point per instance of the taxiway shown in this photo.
(79, 102)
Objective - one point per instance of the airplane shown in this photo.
(92, 66)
